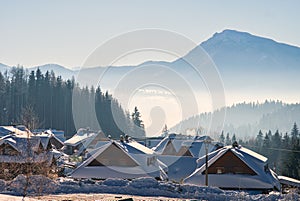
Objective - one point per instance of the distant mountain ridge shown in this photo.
(229, 49)
(251, 67)
(56, 68)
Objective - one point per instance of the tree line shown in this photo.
(45, 101)
(281, 149)
(245, 119)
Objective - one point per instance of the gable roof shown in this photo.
(113, 155)
(11, 145)
(81, 136)
(129, 168)
(27, 149)
(184, 151)
(251, 168)
(47, 138)
(88, 138)
(6, 130)
(171, 145)
(136, 148)
(254, 160)
(230, 163)
(120, 160)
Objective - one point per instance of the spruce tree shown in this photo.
(266, 145)
(222, 137)
(136, 118)
(228, 141)
(295, 134)
(233, 139)
(259, 141)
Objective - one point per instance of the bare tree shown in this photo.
(29, 118)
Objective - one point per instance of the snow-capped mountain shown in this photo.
(239, 50)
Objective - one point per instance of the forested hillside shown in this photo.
(246, 119)
(45, 101)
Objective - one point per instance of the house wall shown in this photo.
(113, 156)
(229, 163)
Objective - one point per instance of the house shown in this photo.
(235, 167)
(120, 160)
(47, 136)
(84, 140)
(6, 130)
(20, 153)
(174, 145)
(180, 154)
(145, 156)
(59, 134)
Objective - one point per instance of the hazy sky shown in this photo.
(66, 32)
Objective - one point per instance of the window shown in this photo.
(220, 170)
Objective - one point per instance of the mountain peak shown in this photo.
(229, 32)
(229, 36)
(242, 50)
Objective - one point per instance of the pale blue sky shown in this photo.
(66, 32)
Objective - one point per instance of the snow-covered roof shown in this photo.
(85, 171)
(171, 138)
(5, 130)
(20, 144)
(10, 141)
(253, 154)
(138, 168)
(263, 178)
(80, 137)
(289, 181)
(196, 146)
(178, 167)
(136, 148)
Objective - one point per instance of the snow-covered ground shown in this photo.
(79, 197)
(116, 189)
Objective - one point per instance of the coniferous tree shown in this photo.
(259, 139)
(233, 139)
(292, 162)
(136, 117)
(3, 110)
(286, 141)
(275, 153)
(222, 137)
(49, 99)
(228, 141)
(295, 134)
(266, 145)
